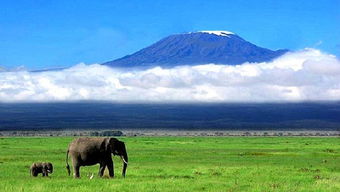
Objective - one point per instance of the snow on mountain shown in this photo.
(219, 33)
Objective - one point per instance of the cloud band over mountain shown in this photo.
(307, 75)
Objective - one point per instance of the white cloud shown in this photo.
(307, 75)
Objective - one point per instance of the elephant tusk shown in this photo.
(123, 160)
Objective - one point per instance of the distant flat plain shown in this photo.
(322, 116)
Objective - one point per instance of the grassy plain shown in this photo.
(183, 164)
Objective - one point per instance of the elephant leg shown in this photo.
(101, 169)
(76, 167)
(76, 170)
(110, 167)
(33, 173)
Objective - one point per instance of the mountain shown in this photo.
(219, 47)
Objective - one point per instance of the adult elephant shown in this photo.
(90, 151)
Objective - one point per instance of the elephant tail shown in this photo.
(67, 166)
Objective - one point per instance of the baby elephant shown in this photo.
(41, 167)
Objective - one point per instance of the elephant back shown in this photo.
(87, 144)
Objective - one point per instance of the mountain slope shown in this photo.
(219, 47)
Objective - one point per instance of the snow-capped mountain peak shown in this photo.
(219, 33)
(195, 48)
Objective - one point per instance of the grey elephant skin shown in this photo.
(41, 167)
(90, 151)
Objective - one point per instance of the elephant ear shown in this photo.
(109, 144)
(44, 166)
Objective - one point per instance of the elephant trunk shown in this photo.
(125, 163)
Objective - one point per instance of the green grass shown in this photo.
(183, 164)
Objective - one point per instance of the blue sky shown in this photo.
(41, 34)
